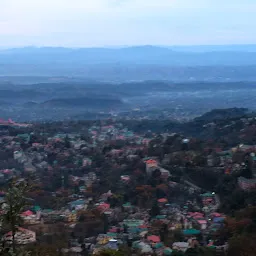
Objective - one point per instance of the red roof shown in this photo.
(151, 161)
(202, 221)
(19, 229)
(103, 206)
(154, 239)
(113, 230)
(216, 214)
(6, 171)
(27, 213)
(196, 215)
(143, 226)
(162, 200)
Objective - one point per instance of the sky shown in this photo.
(104, 23)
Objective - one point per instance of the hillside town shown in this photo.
(96, 187)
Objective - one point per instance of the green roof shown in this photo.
(134, 230)
(127, 204)
(160, 217)
(167, 251)
(147, 158)
(136, 244)
(191, 232)
(77, 202)
(207, 195)
(227, 152)
(36, 208)
(60, 135)
(111, 234)
(133, 223)
(158, 245)
(23, 135)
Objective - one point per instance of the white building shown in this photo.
(22, 236)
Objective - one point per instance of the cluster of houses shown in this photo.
(141, 231)
(137, 229)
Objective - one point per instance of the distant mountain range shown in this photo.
(216, 48)
(137, 55)
(177, 63)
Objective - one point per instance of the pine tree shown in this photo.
(13, 205)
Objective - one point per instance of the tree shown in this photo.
(200, 251)
(174, 236)
(242, 245)
(144, 194)
(42, 250)
(19, 252)
(178, 253)
(67, 142)
(155, 210)
(14, 204)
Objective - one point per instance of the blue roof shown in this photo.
(218, 219)
(77, 202)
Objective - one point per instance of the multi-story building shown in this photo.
(22, 236)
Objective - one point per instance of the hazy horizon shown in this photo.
(112, 23)
(174, 47)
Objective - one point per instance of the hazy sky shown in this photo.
(126, 22)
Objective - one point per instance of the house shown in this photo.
(165, 174)
(180, 246)
(27, 213)
(191, 232)
(112, 244)
(202, 223)
(153, 239)
(19, 156)
(30, 218)
(22, 236)
(103, 207)
(105, 196)
(78, 204)
(198, 218)
(87, 162)
(225, 157)
(247, 184)
(127, 206)
(151, 165)
(213, 160)
(82, 189)
(162, 202)
(28, 167)
(208, 198)
(143, 247)
(216, 214)
(167, 251)
(72, 217)
(133, 223)
(125, 178)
